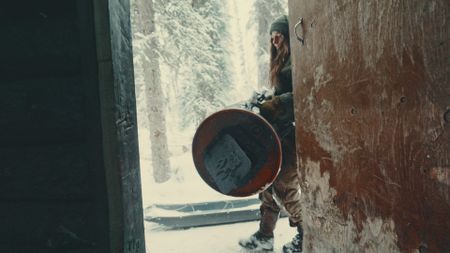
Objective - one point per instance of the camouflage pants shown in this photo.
(286, 190)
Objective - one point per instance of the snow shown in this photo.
(212, 239)
(159, 212)
(244, 68)
(185, 185)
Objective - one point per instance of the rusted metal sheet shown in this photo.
(372, 100)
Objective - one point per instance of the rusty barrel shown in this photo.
(237, 152)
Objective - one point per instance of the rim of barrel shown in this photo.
(248, 189)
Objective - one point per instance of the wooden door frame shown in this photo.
(119, 125)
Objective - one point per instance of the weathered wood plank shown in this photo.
(119, 125)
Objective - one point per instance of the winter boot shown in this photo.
(296, 245)
(258, 242)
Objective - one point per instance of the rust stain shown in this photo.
(371, 100)
(440, 174)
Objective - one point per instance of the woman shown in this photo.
(278, 110)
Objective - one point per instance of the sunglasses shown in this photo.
(277, 38)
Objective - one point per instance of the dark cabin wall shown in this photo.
(372, 106)
(69, 178)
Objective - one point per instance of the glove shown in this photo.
(270, 109)
(278, 110)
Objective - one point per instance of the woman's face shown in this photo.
(277, 38)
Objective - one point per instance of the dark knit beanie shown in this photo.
(280, 25)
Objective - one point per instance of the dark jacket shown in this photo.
(285, 79)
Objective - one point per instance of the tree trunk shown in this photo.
(145, 24)
(241, 49)
(262, 44)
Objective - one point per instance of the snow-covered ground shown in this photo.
(192, 189)
(185, 185)
(212, 239)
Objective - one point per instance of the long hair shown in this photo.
(277, 59)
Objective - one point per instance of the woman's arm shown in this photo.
(279, 109)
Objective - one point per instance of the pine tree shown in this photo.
(182, 40)
(148, 72)
(209, 85)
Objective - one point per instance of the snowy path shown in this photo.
(213, 239)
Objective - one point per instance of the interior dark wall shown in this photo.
(61, 189)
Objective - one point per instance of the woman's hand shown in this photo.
(271, 109)
(278, 109)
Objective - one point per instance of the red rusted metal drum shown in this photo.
(237, 152)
